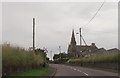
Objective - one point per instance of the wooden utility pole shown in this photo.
(60, 53)
(80, 43)
(51, 55)
(60, 50)
(33, 34)
(80, 38)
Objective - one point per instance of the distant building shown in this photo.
(83, 50)
(100, 51)
(86, 51)
(114, 50)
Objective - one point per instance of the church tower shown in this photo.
(73, 42)
(72, 46)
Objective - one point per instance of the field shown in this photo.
(16, 60)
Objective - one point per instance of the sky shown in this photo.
(55, 21)
(0, 23)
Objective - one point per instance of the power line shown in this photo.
(95, 14)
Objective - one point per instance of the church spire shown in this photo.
(73, 42)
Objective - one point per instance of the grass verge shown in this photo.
(105, 69)
(33, 72)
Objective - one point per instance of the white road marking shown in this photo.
(85, 73)
(79, 71)
(70, 67)
(74, 69)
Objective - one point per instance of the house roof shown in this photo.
(101, 50)
(86, 48)
(113, 50)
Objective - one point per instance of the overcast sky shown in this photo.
(55, 21)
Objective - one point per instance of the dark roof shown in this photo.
(101, 50)
(86, 48)
(113, 50)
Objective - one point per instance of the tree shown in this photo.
(70, 55)
(63, 55)
(56, 56)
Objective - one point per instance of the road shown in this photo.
(64, 70)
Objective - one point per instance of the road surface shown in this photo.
(64, 70)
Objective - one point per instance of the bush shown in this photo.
(61, 60)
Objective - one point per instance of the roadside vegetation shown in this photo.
(33, 72)
(62, 57)
(110, 58)
(105, 58)
(16, 60)
(103, 61)
(61, 60)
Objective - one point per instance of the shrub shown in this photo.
(61, 60)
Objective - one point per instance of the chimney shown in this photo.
(92, 44)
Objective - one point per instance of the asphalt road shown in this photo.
(64, 70)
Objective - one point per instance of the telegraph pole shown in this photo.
(33, 34)
(60, 53)
(80, 43)
(80, 38)
(60, 50)
(51, 55)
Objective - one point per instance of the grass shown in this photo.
(105, 69)
(17, 59)
(110, 58)
(100, 59)
(33, 72)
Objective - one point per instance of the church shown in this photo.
(80, 50)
